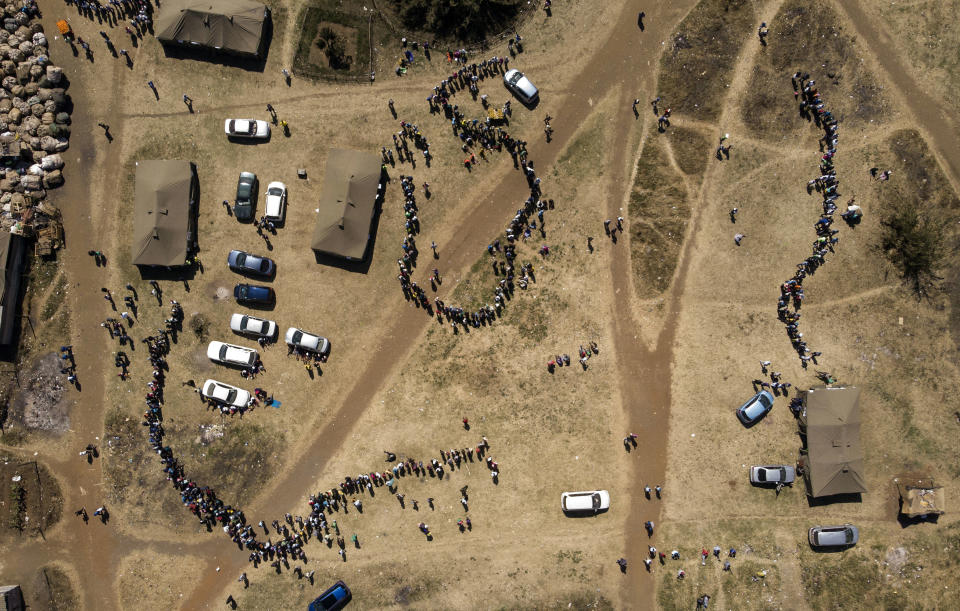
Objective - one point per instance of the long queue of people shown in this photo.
(478, 137)
(826, 183)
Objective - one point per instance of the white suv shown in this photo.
(593, 501)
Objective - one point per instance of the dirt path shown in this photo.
(633, 49)
(935, 120)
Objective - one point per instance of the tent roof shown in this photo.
(161, 213)
(920, 497)
(231, 25)
(347, 204)
(835, 459)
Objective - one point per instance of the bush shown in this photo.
(336, 53)
(465, 19)
(915, 244)
(200, 326)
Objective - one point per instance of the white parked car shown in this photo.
(276, 202)
(307, 341)
(231, 355)
(521, 86)
(251, 325)
(247, 128)
(226, 394)
(593, 501)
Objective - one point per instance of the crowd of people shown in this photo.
(478, 137)
(826, 183)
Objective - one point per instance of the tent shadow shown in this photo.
(854, 497)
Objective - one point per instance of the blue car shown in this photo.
(246, 263)
(336, 597)
(251, 293)
(756, 408)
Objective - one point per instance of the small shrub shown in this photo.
(200, 326)
(915, 244)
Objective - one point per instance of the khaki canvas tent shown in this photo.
(164, 213)
(231, 26)
(832, 460)
(348, 201)
(920, 497)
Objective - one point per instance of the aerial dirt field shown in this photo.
(680, 314)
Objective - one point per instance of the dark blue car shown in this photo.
(336, 597)
(251, 293)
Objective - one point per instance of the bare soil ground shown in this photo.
(681, 316)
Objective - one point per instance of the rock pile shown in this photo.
(34, 124)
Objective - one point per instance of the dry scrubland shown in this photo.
(548, 432)
(867, 321)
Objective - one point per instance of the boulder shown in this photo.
(27, 47)
(37, 110)
(8, 67)
(59, 131)
(63, 118)
(31, 123)
(4, 36)
(54, 74)
(48, 144)
(35, 169)
(8, 82)
(53, 179)
(39, 39)
(36, 28)
(62, 144)
(21, 19)
(52, 162)
(13, 40)
(36, 71)
(49, 106)
(17, 201)
(45, 130)
(31, 89)
(16, 55)
(9, 24)
(17, 91)
(35, 143)
(14, 116)
(47, 118)
(23, 72)
(30, 182)
(5, 105)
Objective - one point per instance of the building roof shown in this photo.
(162, 212)
(347, 204)
(230, 25)
(834, 456)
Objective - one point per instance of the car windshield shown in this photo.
(243, 292)
(515, 78)
(264, 266)
(765, 400)
(849, 535)
(276, 192)
(297, 336)
(241, 258)
(223, 351)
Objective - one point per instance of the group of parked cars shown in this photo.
(252, 326)
(778, 476)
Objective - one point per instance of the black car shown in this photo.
(251, 293)
(336, 597)
(246, 202)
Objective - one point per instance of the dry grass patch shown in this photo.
(146, 581)
(808, 35)
(659, 212)
(691, 149)
(695, 68)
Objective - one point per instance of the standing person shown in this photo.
(623, 565)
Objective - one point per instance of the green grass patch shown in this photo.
(696, 65)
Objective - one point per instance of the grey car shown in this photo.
(834, 536)
(772, 474)
(246, 202)
(245, 263)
